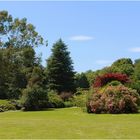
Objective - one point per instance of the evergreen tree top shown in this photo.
(59, 45)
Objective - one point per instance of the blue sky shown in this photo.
(97, 33)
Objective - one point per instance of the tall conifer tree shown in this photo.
(60, 73)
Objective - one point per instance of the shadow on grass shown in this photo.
(48, 109)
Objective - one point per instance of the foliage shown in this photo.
(123, 65)
(23, 76)
(69, 103)
(54, 100)
(135, 84)
(91, 76)
(9, 74)
(36, 77)
(59, 70)
(114, 83)
(33, 98)
(17, 56)
(16, 104)
(106, 78)
(79, 100)
(137, 69)
(17, 66)
(6, 105)
(17, 33)
(81, 81)
(66, 96)
(114, 99)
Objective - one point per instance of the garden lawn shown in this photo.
(68, 123)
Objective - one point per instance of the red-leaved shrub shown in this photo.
(114, 99)
(106, 78)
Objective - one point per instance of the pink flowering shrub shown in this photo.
(114, 99)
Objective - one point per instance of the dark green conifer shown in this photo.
(60, 72)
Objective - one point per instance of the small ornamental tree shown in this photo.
(106, 78)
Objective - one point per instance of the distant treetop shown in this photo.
(17, 32)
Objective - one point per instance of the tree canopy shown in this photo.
(17, 32)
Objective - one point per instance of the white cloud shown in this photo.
(135, 49)
(81, 38)
(104, 62)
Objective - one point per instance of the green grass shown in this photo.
(68, 123)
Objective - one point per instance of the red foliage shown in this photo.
(106, 78)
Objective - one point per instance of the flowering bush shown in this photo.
(114, 99)
(106, 78)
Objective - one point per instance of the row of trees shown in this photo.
(21, 74)
(23, 77)
(124, 66)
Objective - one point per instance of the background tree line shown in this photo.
(23, 78)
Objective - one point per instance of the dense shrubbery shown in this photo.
(80, 98)
(16, 104)
(6, 105)
(34, 98)
(81, 80)
(66, 95)
(114, 83)
(106, 78)
(54, 100)
(69, 103)
(136, 85)
(114, 99)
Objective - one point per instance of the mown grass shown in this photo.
(68, 123)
